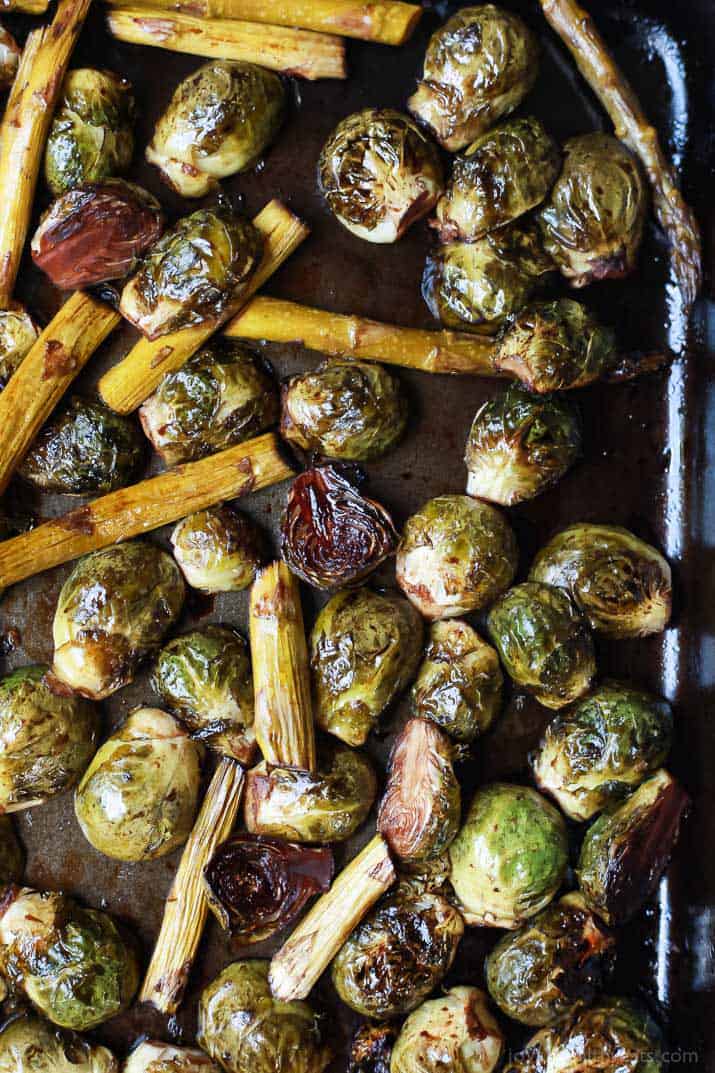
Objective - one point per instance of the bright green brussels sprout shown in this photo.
(502, 175)
(621, 584)
(219, 121)
(17, 334)
(544, 643)
(30, 1045)
(350, 410)
(379, 173)
(137, 799)
(91, 134)
(553, 964)
(519, 445)
(593, 222)
(86, 449)
(155, 1057)
(246, 1030)
(204, 677)
(456, 555)
(47, 737)
(112, 612)
(552, 346)
(12, 857)
(72, 963)
(456, 1032)
(221, 396)
(365, 648)
(510, 856)
(595, 752)
(218, 550)
(397, 955)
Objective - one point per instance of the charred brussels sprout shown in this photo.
(510, 856)
(246, 1030)
(379, 173)
(554, 964)
(17, 334)
(112, 612)
(221, 396)
(371, 1048)
(502, 175)
(456, 1032)
(30, 1045)
(627, 849)
(155, 1057)
(544, 643)
(520, 445)
(85, 450)
(12, 857)
(219, 121)
(350, 410)
(621, 584)
(456, 555)
(365, 648)
(47, 737)
(593, 221)
(204, 677)
(218, 550)
(91, 134)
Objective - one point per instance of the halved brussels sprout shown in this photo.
(456, 1032)
(510, 856)
(218, 550)
(349, 410)
(371, 1048)
(221, 396)
(30, 1045)
(12, 857)
(10, 53)
(544, 643)
(379, 173)
(112, 612)
(47, 737)
(621, 584)
(626, 850)
(502, 175)
(592, 754)
(593, 222)
(556, 963)
(204, 677)
(218, 122)
(456, 555)
(91, 134)
(155, 1057)
(365, 648)
(18, 332)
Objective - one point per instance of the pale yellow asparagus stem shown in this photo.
(186, 907)
(27, 7)
(45, 373)
(142, 507)
(133, 379)
(24, 129)
(295, 52)
(283, 719)
(304, 957)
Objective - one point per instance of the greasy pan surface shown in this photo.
(645, 467)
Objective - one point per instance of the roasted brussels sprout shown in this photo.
(621, 584)
(86, 449)
(30, 1045)
(371, 1048)
(12, 857)
(478, 67)
(91, 135)
(593, 221)
(456, 555)
(456, 1032)
(459, 684)
(502, 175)
(510, 856)
(72, 963)
(544, 643)
(519, 445)
(112, 612)
(155, 1057)
(592, 754)
(10, 53)
(219, 121)
(137, 799)
(627, 849)
(379, 173)
(221, 396)
(204, 677)
(552, 965)
(246, 1030)
(365, 648)
(218, 550)
(350, 410)
(193, 273)
(17, 334)
(47, 737)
